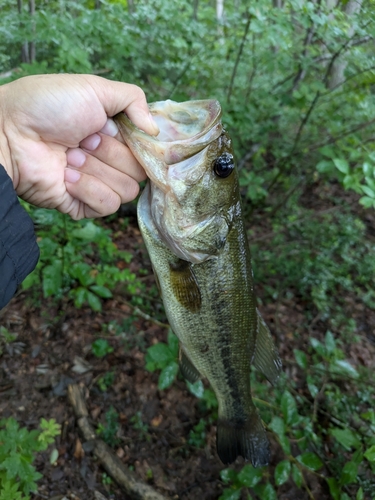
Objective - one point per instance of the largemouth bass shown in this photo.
(191, 220)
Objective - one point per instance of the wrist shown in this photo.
(5, 154)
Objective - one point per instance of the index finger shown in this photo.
(118, 96)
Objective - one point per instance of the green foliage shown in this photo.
(164, 357)
(331, 263)
(106, 381)
(301, 422)
(108, 431)
(17, 453)
(101, 347)
(197, 436)
(292, 126)
(78, 260)
(141, 426)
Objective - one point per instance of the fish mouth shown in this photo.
(185, 129)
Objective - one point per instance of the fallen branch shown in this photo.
(126, 479)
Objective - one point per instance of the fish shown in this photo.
(191, 220)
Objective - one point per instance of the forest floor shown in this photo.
(154, 425)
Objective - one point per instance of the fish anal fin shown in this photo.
(247, 439)
(185, 286)
(188, 370)
(266, 358)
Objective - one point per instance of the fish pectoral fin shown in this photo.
(266, 358)
(246, 438)
(185, 286)
(188, 370)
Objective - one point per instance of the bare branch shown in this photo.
(249, 17)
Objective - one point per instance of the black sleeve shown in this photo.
(19, 252)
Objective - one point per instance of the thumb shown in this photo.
(118, 96)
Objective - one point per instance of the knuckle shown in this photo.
(131, 191)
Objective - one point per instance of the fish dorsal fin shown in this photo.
(188, 370)
(266, 358)
(185, 286)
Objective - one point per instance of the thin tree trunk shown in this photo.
(32, 48)
(25, 46)
(219, 10)
(195, 9)
(337, 76)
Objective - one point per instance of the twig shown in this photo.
(308, 39)
(125, 478)
(249, 17)
(140, 313)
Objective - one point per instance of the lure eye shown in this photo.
(224, 165)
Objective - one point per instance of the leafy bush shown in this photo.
(17, 453)
(325, 260)
(78, 260)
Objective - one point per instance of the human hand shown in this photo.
(61, 150)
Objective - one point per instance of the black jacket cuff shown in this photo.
(19, 252)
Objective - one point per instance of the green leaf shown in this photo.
(52, 279)
(161, 354)
(9, 491)
(282, 472)
(173, 343)
(334, 488)
(289, 408)
(360, 495)
(278, 426)
(228, 475)
(88, 232)
(54, 456)
(81, 271)
(330, 342)
(368, 191)
(101, 347)
(197, 389)
(370, 454)
(230, 494)
(102, 291)
(366, 201)
(367, 168)
(80, 296)
(347, 438)
(301, 358)
(341, 165)
(266, 492)
(311, 386)
(324, 166)
(94, 302)
(349, 473)
(167, 375)
(310, 460)
(344, 368)
(297, 475)
(249, 476)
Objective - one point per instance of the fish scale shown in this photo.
(208, 294)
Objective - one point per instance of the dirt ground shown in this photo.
(48, 356)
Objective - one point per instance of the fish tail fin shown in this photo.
(247, 438)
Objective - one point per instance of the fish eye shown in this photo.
(224, 165)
